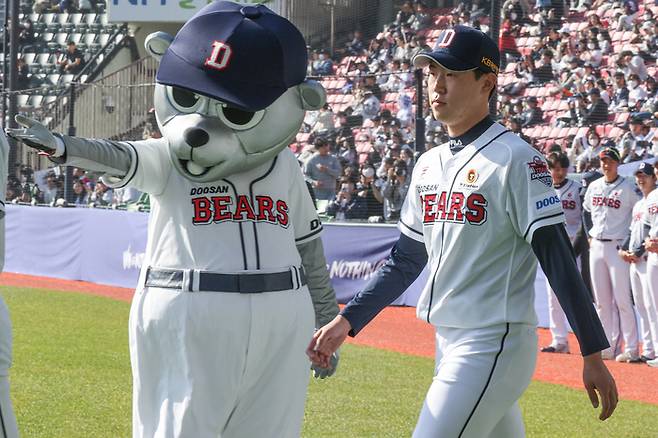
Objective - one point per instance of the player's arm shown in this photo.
(644, 233)
(404, 264)
(552, 247)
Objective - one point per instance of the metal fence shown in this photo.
(115, 106)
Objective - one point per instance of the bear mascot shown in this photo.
(234, 278)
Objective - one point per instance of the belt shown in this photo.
(603, 240)
(193, 280)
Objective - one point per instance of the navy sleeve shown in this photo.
(587, 221)
(552, 247)
(639, 251)
(405, 263)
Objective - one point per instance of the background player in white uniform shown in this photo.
(222, 313)
(650, 221)
(608, 208)
(8, 427)
(634, 253)
(569, 192)
(477, 209)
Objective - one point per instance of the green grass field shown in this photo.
(71, 378)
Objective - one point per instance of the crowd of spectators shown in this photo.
(584, 64)
(589, 65)
(47, 188)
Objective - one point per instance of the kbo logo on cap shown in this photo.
(220, 56)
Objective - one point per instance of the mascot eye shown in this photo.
(238, 119)
(183, 100)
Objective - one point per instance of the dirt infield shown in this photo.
(398, 329)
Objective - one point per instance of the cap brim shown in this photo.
(237, 94)
(443, 59)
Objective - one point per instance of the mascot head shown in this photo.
(231, 90)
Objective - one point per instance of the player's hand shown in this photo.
(599, 384)
(33, 134)
(650, 244)
(327, 340)
(322, 373)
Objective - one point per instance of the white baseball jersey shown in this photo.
(650, 218)
(637, 224)
(611, 206)
(252, 212)
(476, 211)
(572, 206)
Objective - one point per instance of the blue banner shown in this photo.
(107, 247)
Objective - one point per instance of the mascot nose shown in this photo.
(195, 137)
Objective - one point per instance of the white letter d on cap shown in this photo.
(448, 35)
(220, 56)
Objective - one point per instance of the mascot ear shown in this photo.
(156, 44)
(313, 95)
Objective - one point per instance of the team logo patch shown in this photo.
(471, 176)
(539, 171)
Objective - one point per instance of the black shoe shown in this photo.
(555, 349)
(645, 359)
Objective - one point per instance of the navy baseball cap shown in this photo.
(610, 152)
(245, 56)
(645, 168)
(462, 48)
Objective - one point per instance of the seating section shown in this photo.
(52, 31)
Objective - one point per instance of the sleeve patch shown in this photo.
(539, 171)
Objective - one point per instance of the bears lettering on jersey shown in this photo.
(216, 209)
(459, 208)
(569, 204)
(603, 201)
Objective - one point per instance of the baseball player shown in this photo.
(608, 206)
(8, 426)
(234, 268)
(634, 253)
(569, 193)
(650, 222)
(477, 209)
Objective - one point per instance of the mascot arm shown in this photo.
(319, 284)
(110, 157)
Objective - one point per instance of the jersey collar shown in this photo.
(458, 143)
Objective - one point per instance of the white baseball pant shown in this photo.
(8, 426)
(480, 375)
(557, 320)
(652, 287)
(645, 308)
(611, 284)
(220, 365)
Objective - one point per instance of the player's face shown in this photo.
(609, 167)
(457, 98)
(645, 182)
(558, 173)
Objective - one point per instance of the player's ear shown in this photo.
(489, 83)
(312, 94)
(157, 43)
